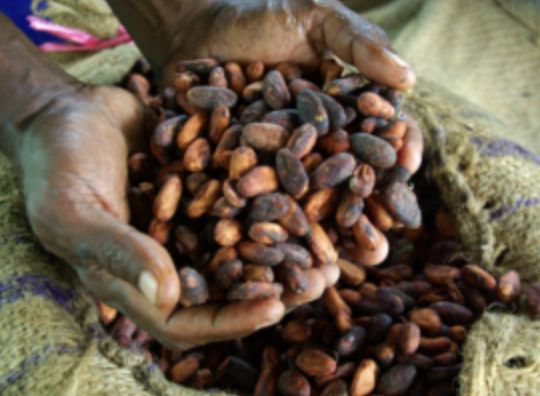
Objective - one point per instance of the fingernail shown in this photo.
(397, 60)
(148, 286)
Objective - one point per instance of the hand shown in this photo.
(73, 158)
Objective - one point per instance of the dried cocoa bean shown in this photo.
(365, 378)
(217, 78)
(184, 81)
(397, 380)
(378, 328)
(452, 313)
(381, 302)
(259, 180)
(350, 342)
(236, 78)
(311, 110)
(265, 137)
(260, 254)
(320, 245)
(267, 233)
(197, 155)
(478, 277)
(372, 105)
(345, 85)
(295, 254)
(293, 383)
(291, 172)
(409, 338)
(338, 309)
(334, 143)
(258, 273)
(373, 150)
(269, 207)
(315, 362)
(295, 220)
(296, 332)
(254, 291)
(321, 204)
(292, 276)
(208, 97)
(275, 91)
(255, 71)
(254, 112)
(194, 287)
(228, 274)
(285, 118)
(298, 85)
(333, 171)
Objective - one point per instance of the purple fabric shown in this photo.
(506, 209)
(38, 285)
(496, 147)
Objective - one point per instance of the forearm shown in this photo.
(29, 84)
(153, 24)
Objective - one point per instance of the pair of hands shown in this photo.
(73, 158)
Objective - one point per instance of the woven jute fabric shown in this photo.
(486, 51)
(107, 66)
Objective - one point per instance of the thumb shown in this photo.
(121, 250)
(362, 44)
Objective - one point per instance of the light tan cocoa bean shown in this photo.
(242, 161)
(228, 232)
(217, 78)
(185, 81)
(206, 98)
(365, 378)
(184, 370)
(255, 71)
(351, 274)
(265, 136)
(372, 105)
(258, 273)
(235, 76)
(315, 362)
(197, 155)
(219, 121)
(167, 199)
(478, 277)
(192, 129)
(206, 196)
(267, 233)
(253, 92)
(321, 247)
(321, 204)
(409, 338)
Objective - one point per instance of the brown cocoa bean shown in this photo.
(397, 380)
(223, 209)
(362, 181)
(291, 172)
(336, 113)
(192, 129)
(320, 245)
(445, 252)
(321, 204)
(445, 359)
(371, 124)
(253, 92)
(260, 254)
(476, 301)
(221, 256)
(396, 129)
(194, 287)
(336, 388)
(275, 90)
(230, 193)
(384, 354)
(228, 232)
(254, 112)
(196, 180)
(289, 71)
(377, 213)
(167, 199)
(188, 238)
(338, 309)
(344, 370)
(373, 105)
(334, 143)
(255, 71)
(478, 277)
(242, 376)
(293, 383)
(182, 101)
(330, 70)
(434, 345)
(235, 76)
(409, 338)
(243, 159)
(197, 155)
(454, 293)
(365, 234)
(393, 334)
(162, 139)
(206, 98)
(269, 207)
(106, 314)
(228, 274)
(296, 332)
(365, 378)
(351, 297)
(428, 320)
(259, 180)
(265, 137)
(254, 291)
(351, 274)
(303, 140)
(312, 162)
(350, 342)
(378, 328)
(458, 333)
(315, 362)
(311, 110)
(414, 288)
(292, 276)
(298, 85)
(295, 254)
(452, 313)
(373, 150)
(258, 273)
(140, 167)
(228, 142)
(217, 78)
(381, 302)
(219, 121)
(184, 370)
(401, 203)
(509, 287)
(160, 230)
(396, 272)
(206, 196)
(345, 85)
(349, 210)
(201, 67)
(267, 382)
(267, 233)
(294, 220)
(440, 274)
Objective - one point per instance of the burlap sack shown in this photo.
(53, 343)
(484, 50)
(107, 66)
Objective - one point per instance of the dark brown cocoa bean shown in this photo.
(303, 140)
(293, 383)
(397, 380)
(381, 302)
(311, 110)
(295, 220)
(362, 181)
(207, 98)
(315, 362)
(228, 274)
(202, 67)
(275, 90)
(292, 276)
(378, 328)
(333, 171)
(254, 291)
(373, 150)
(254, 112)
(265, 137)
(291, 172)
(260, 254)
(269, 207)
(336, 113)
(285, 118)
(194, 287)
(350, 342)
(345, 85)
(295, 254)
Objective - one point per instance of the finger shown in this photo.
(216, 322)
(316, 285)
(362, 44)
(331, 274)
(410, 155)
(124, 252)
(369, 257)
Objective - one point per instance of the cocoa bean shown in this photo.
(253, 92)
(362, 181)
(373, 150)
(396, 273)
(381, 302)
(315, 362)
(259, 180)
(302, 140)
(258, 273)
(235, 76)
(243, 159)
(291, 172)
(223, 209)
(414, 288)
(295, 254)
(330, 70)
(452, 313)
(275, 91)
(475, 299)
(201, 67)
(397, 380)
(228, 274)
(196, 180)
(321, 247)
(289, 71)
(228, 142)
(311, 110)
(259, 253)
(321, 204)
(160, 230)
(409, 338)
(396, 129)
(197, 155)
(255, 71)
(434, 345)
(336, 388)
(207, 98)
(241, 374)
(184, 370)
(293, 383)
(365, 234)
(377, 213)
(428, 320)
(338, 309)
(298, 85)
(423, 362)
(477, 277)
(206, 196)
(217, 78)
(372, 105)
(269, 207)
(254, 291)
(384, 354)
(401, 203)
(194, 287)
(365, 378)
(267, 233)
(393, 334)
(349, 210)
(286, 118)
(312, 162)
(441, 274)
(445, 359)
(458, 333)
(221, 256)
(292, 276)
(228, 232)
(265, 136)
(231, 195)
(333, 171)
(351, 274)
(334, 143)
(454, 292)
(267, 382)
(344, 370)
(378, 327)
(336, 113)
(188, 239)
(162, 139)
(350, 342)
(344, 86)
(296, 332)
(295, 220)
(184, 104)
(184, 81)
(509, 287)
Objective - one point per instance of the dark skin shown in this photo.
(70, 141)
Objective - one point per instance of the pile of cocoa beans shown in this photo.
(263, 175)
(254, 176)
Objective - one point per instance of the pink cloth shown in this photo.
(81, 41)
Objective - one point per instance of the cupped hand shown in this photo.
(74, 164)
